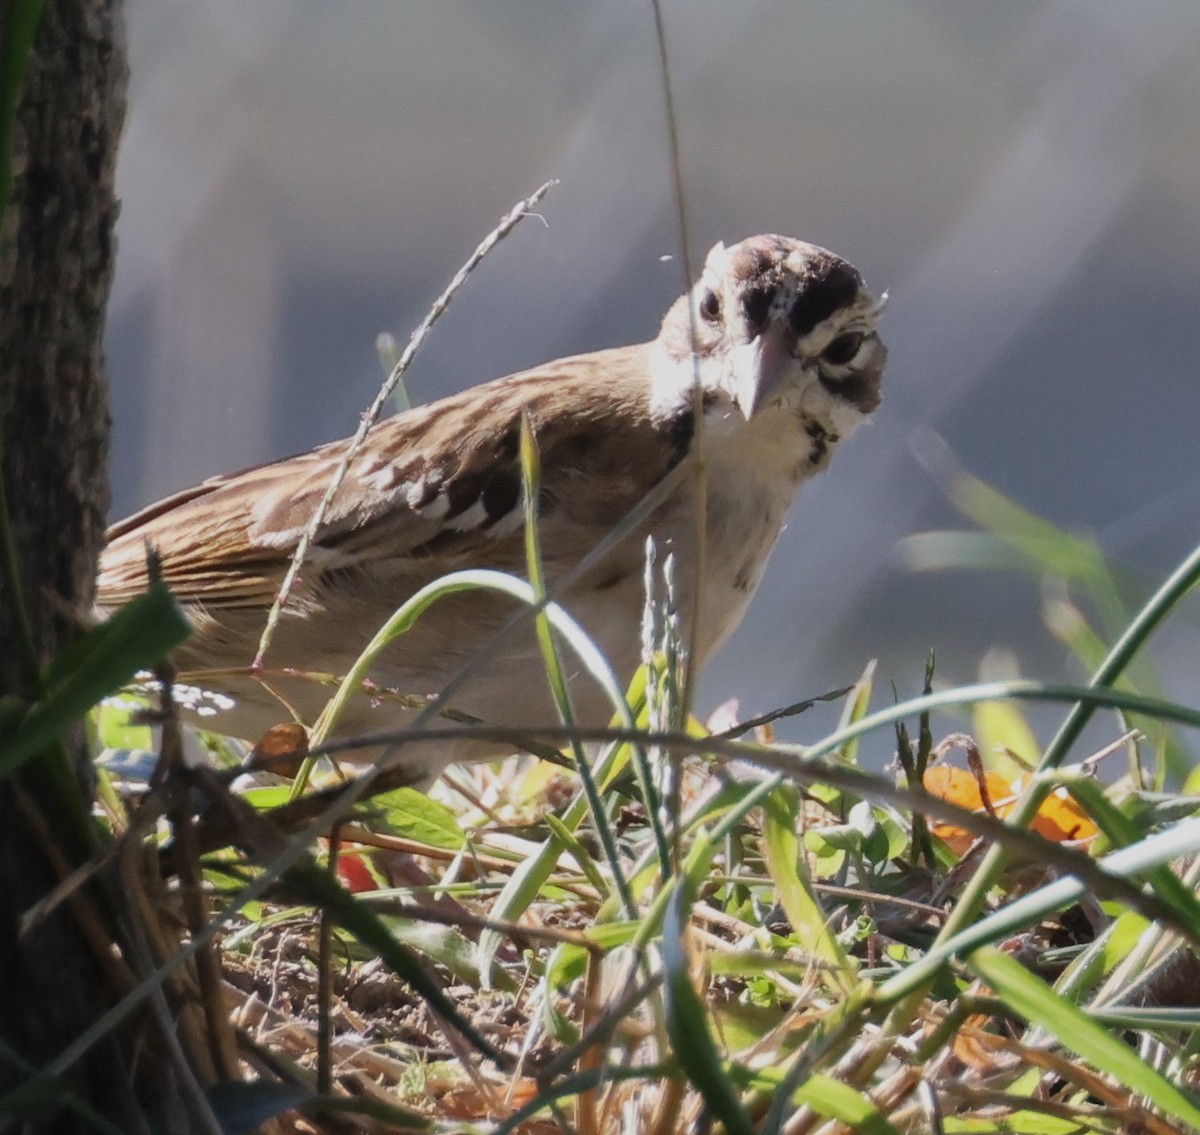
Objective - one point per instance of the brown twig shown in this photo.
(514, 217)
(793, 710)
(325, 979)
(170, 777)
(691, 661)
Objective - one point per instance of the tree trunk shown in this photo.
(56, 259)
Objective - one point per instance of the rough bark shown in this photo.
(56, 260)
(56, 254)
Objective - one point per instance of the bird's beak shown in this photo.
(759, 367)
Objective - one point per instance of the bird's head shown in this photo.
(772, 322)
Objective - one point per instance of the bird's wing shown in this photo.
(439, 482)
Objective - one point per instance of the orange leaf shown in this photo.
(958, 786)
(1059, 818)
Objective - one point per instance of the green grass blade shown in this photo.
(687, 1026)
(315, 886)
(1130, 862)
(1148, 619)
(1029, 996)
(855, 709)
(1096, 697)
(1045, 547)
(1145, 623)
(705, 845)
(1120, 831)
(835, 1100)
(530, 479)
(514, 899)
(528, 879)
(793, 888)
(138, 636)
(575, 848)
(474, 579)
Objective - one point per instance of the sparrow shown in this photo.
(775, 346)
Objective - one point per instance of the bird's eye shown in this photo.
(842, 350)
(710, 305)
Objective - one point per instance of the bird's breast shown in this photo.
(752, 472)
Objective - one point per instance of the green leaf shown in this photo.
(1102, 956)
(839, 1101)
(114, 729)
(836, 837)
(567, 963)
(141, 634)
(264, 797)
(1041, 1005)
(415, 816)
(446, 945)
(893, 833)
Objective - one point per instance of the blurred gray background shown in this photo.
(1023, 178)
